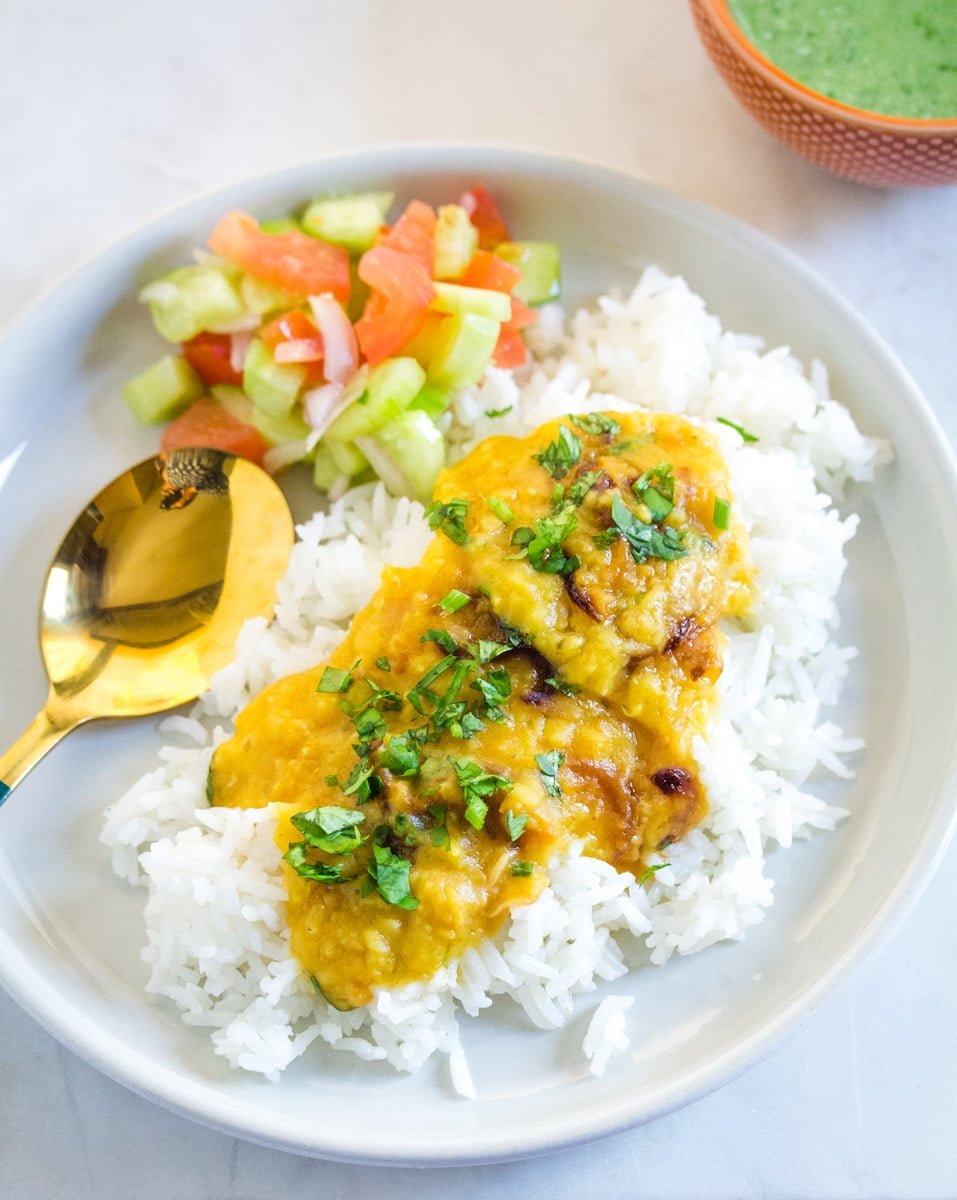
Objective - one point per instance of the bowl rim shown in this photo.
(848, 113)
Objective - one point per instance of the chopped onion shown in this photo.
(242, 324)
(338, 337)
(385, 466)
(339, 488)
(238, 345)
(160, 290)
(283, 455)
(323, 404)
(299, 350)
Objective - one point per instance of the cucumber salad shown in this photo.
(337, 339)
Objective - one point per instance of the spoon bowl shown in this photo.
(148, 591)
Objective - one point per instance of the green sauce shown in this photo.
(897, 57)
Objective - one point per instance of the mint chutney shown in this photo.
(897, 57)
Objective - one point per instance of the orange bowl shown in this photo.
(865, 146)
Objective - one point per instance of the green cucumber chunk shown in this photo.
(390, 389)
(262, 298)
(349, 460)
(463, 350)
(163, 390)
(350, 221)
(407, 455)
(279, 225)
(456, 240)
(189, 300)
(431, 400)
(292, 427)
(454, 298)
(325, 472)
(272, 387)
(541, 267)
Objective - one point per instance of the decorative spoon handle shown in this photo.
(41, 735)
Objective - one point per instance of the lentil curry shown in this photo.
(539, 677)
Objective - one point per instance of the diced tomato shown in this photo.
(205, 423)
(484, 215)
(294, 261)
(509, 349)
(414, 234)
(522, 316)
(209, 356)
(288, 327)
(401, 292)
(296, 326)
(487, 271)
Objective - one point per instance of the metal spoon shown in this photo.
(148, 591)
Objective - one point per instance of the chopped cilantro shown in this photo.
(582, 486)
(521, 869)
(722, 513)
(747, 437)
(549, 764)
(422, 690)
(501, 509)
(319, 872)
(442, 639)
(362, 782)
(647, 541)
(498, 412)
(400, 755)
(454, 600)
(562, 685)
(477, 785)
(649, 872)
(383, 663)
(544, 544)
(390, 876)
(334, 679)
(603, 540)
(560, 456)
(332, 829)
(515, 824)
(450, 519)
(485, 651)
(597, 423)
(440, 834)
(656, 490)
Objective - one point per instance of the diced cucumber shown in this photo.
(350, 221)
(456, 240)
(463, 350)
(279, 225)
(407, 455)
(163, 390)
(431, 400)
(289, 428)
(261, 298)
(390, 389)
(541, 267)
(189, 300)
(272, 387)
(348, 459)
(453, 298)
(325, 472)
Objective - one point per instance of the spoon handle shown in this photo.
(43, 732)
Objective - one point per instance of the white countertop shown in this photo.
(109, 114)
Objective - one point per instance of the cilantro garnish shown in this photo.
(450, 519)
(560, 456)
(515, 824)
(454, 600)
(329, 828)
(477, 785)
(722, 513)
(745, 436)
(501, 509)
(440, 834)
(520, 869)
(656, 490)
(647, 541)
(389, 874)
(549, 764)
(400, 755)
(363, 783)
(597, 423)
(649, 872)
(383, 663)
(422, 690)
(543, 544)
(334, 679)
(319, 872)
(498, 412)
(562, 685)
(582, 486)
(442, 638)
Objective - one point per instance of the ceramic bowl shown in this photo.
(865, 146)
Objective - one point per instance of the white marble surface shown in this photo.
(110, 113)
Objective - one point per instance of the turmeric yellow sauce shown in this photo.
(539, 677)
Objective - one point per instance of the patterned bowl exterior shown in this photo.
(863, 146)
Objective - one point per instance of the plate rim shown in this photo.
(184, 1095)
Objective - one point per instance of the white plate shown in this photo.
(70, 933)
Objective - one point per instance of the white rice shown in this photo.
(217, 943)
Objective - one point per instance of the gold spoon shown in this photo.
(148, 591)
